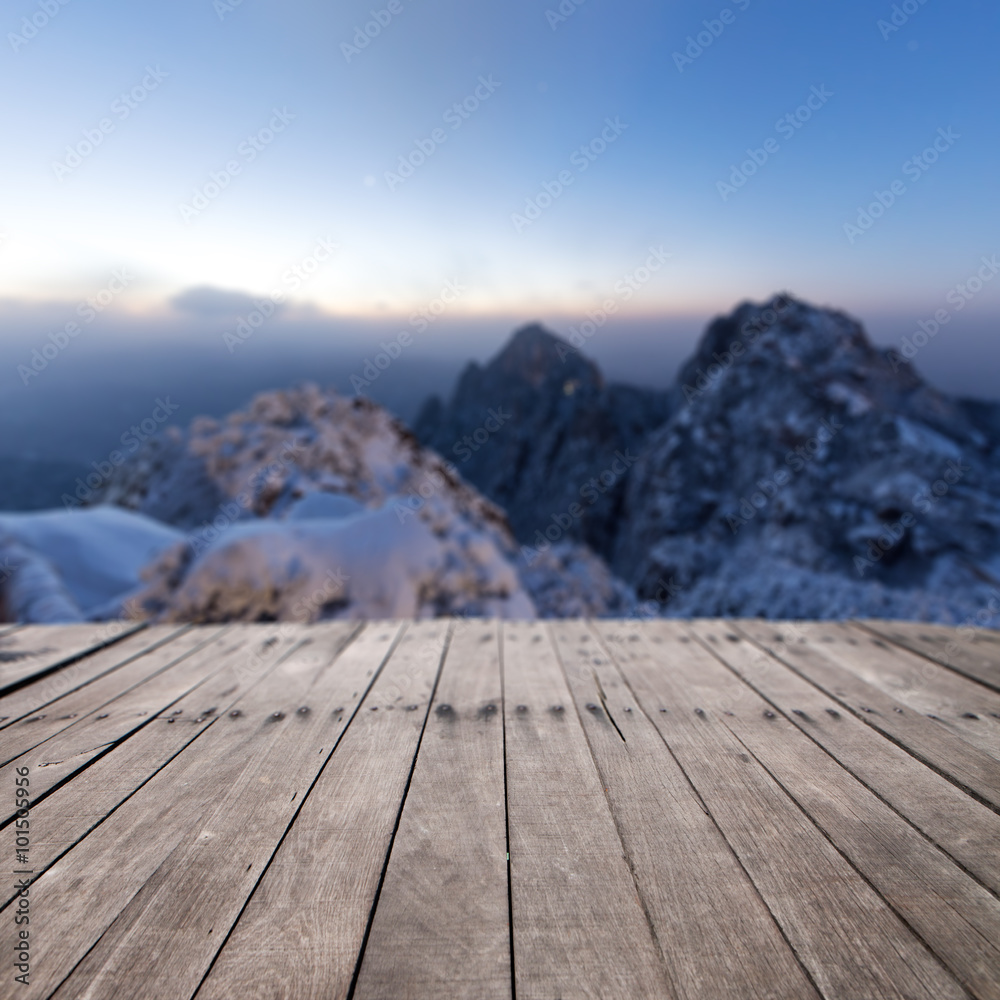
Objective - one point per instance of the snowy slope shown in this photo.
(66, 565)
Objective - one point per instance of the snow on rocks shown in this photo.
(310, 506)
(64, 566)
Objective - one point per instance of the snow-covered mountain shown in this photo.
(310, 505)
(792, 470)
(803, 473)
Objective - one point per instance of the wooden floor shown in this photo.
(719, 810)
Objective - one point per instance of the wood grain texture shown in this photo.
(172, 673)
(851, 942)
(164, 940)
(580, 929)
(302, 931)
(718, 938)
(708, 811)
(80, 896)
(441, 927)
(143, 660)
(36, 697)
(64, 817)
(35, 650)
(928, 740)
(962, 827)
(962, 706)
(957, 918)
(972, 652)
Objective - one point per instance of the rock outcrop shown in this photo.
(803, 473)
(540, 433)
(312, 506)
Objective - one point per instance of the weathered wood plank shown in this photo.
(441, 927)
(973, 652)
(145, 654)
(957, 918)
(928, 740)
(580, 929)
(302, 931)
(958, 824)
(964, 707)
(718, 938)
(163, 942)
(71, 748)
(36, 650)
(851, 942)
(35, 697)
(64, 818)
(80, 896)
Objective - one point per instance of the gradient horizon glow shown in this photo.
(235, 135)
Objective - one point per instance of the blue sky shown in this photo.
(223, 71)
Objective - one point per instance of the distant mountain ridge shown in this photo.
(563, 445)
(791, 470)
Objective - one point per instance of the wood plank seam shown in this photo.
(47, 679)
(93, 761)
(708, 812)
(868, 721)
(919, 651)
(63, 702)
(399, 816)
(266, 866)
(107, 748)
(506, 815)
(306, 798)
(69, 660)
(820, 902)
(785, 715)
(861, 874)
(614, 817)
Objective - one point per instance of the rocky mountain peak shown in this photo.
(804, 472)
(534, 427)
(535, 356)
